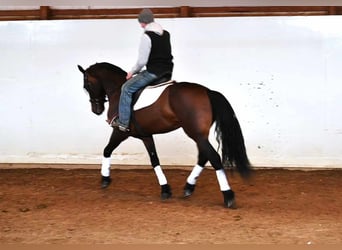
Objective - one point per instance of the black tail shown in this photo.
(229, 134)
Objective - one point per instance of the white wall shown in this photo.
(281, 74)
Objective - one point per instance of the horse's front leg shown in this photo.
(115, 139)
(151, 149)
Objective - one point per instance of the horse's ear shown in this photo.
(81, 69)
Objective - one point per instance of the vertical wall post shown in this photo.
(332, 10)
(185, 11)
(44, 12)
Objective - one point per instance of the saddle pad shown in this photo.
(150, 94)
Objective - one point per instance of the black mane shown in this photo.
(107, 67)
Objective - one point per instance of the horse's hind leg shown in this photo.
(151, 149)
(207, 149)
(190, 185)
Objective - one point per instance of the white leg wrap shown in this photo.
(105, 168)
(195, 173)
(160, 175)
(222, 180)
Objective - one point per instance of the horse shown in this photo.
(190, 106)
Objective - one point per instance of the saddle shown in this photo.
(163, 79)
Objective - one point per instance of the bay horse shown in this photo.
(190, 106)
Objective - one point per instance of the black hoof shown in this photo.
(188, 189)
(105, 181)
(229, 199)
(165, 192)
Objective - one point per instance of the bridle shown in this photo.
(95, 101)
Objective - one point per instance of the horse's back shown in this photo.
(189, 94)
(182, 104)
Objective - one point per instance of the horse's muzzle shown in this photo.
(97, 108)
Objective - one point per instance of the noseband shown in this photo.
(98, 101)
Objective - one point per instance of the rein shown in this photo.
(111, 121)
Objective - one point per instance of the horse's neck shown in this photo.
(113, 106)
(113, 91)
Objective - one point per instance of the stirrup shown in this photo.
(122, 128)
(115, 124)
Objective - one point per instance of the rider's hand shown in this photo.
(129, 75)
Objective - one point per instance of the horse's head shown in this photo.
(96, 91)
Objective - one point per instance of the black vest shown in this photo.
(160, 59)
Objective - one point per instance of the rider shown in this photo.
(155, 55)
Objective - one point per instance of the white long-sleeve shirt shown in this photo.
(145, 46)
